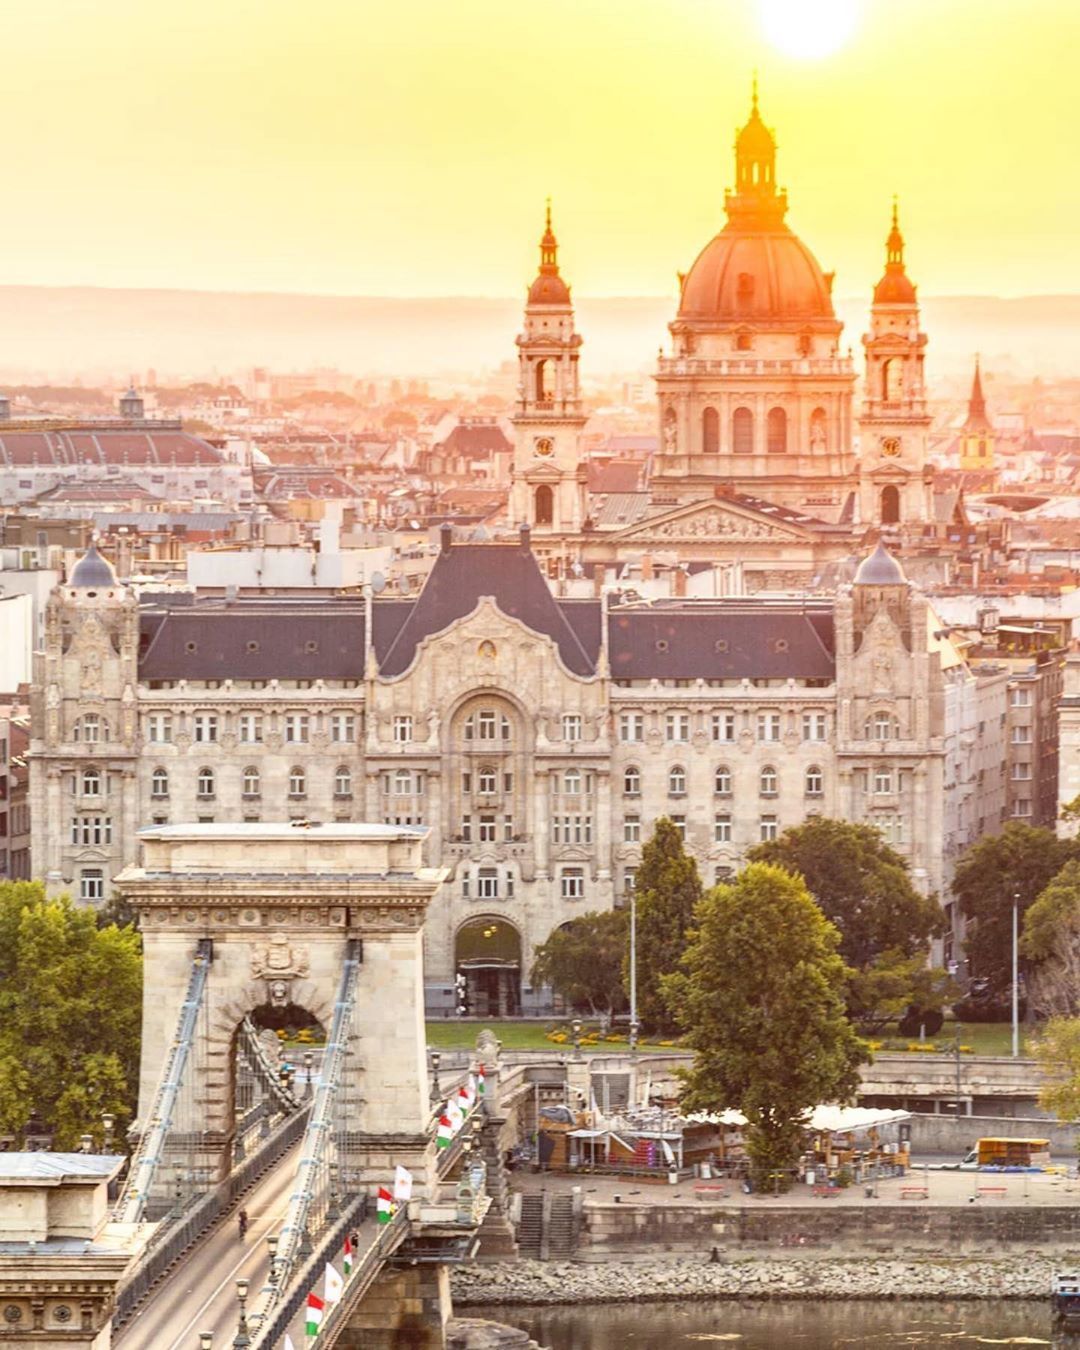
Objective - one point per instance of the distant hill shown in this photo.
(90, 333)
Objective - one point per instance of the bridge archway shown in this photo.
(487, 954)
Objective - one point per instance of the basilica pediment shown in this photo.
(703, 522)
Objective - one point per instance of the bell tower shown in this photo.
(895, 482)
(977, 434)
(547, 489)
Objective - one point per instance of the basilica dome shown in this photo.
(747, 275)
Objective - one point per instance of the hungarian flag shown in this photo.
(402, 1184)
(480, 1080)
(384, 1205)
(454, 1115)
(464, 1098)
(348, 1255)
(444, 1133)
(315, 1307)
(334, 1284)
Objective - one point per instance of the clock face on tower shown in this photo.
(544, 447)
(890, 446)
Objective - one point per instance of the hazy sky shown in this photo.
(355, 146)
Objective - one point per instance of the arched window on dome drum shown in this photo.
(819, 431)
(542, 391)
(742, 432)
(710, 432)
(544, 505)
(776, 427)
(890, 505)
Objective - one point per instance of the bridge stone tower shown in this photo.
(280, 906)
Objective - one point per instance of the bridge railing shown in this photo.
(140, 1178)
(173, 1239)
(264, 1067)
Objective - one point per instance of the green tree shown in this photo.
(1051, 945)
(666, 890)
(1058, 1053)
(761, 997)
(1019, 862)
(885, 924)
(583, 961)
(70, 1015)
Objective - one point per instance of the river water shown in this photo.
(805, 1324)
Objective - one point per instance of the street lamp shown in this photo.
(309, 1060)
(206, 1340)
(241, 1340)
(86, 1143)
(435, 1060)
(108, 1121)
(575, 1027)
(272, 1242)
(1015, 977)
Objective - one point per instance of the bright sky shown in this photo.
(360, 146)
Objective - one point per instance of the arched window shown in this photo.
(251, 781)
(91, 729)
(159, 784)
(631, 783)
(882, 726)
(204, 783)
(710, 432)
(91, 783)
(742, 432)
(890, 504)
(342, 781)
(486, 779)
(815, 781)
(676, 781)
(572, 782)
(722, 781)
(768, 781)
(892, 380)
(543, 393)
(544, 505)
(776, 429)
(403, 783)
(819, 431)
(297, 782)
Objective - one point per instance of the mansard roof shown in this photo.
(722, 641)
(462, 574)
(167, 445)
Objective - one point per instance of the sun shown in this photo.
(809, 28)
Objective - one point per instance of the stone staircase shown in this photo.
(561, 1228)
(530, 1233)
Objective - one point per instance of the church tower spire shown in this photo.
(894, 477)
(756, 201)
(548, 477)
(977, 436)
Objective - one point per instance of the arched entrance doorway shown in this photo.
(890, 505)
(487, 958)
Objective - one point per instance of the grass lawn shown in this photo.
(453, 1035)
(984, 1038)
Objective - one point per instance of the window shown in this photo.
(677, 727)
(768, 726)
(486, 830)
(767, 829)
(815, 781)
(251, 728)
(676, 781)
(571, 783)
(882, 727)
(742, 432)
(206, 728)
(342, 781)
(629, 877)
(723, 874)
(297, 727)
(466, 829)
(571, 727)
(710, 432)
(487, 883)
(722, 829)
(631, 782)
(204, 783)
(680, 824)
(573, 883)
(297, 782)
(1020, 697)
(631, 830)
(776, 431)
(465, 889)
(631, 726)
(508, 829)
(509, 885)
(723, 726)
(159, 727)
(342, 728)
(159, 784)
(91, 830)
(91, 729)
(883, 782)
(485, 725)
(892, 828)
(402, 730)
(571, 829)
(1021, 772)
(91, 885)
(814, 726)
(722, 781)
(768, 782)
(91, 783)
(486, 780)
(404, 783)
(251, 781)
(1021, 735)
(1022, 806)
